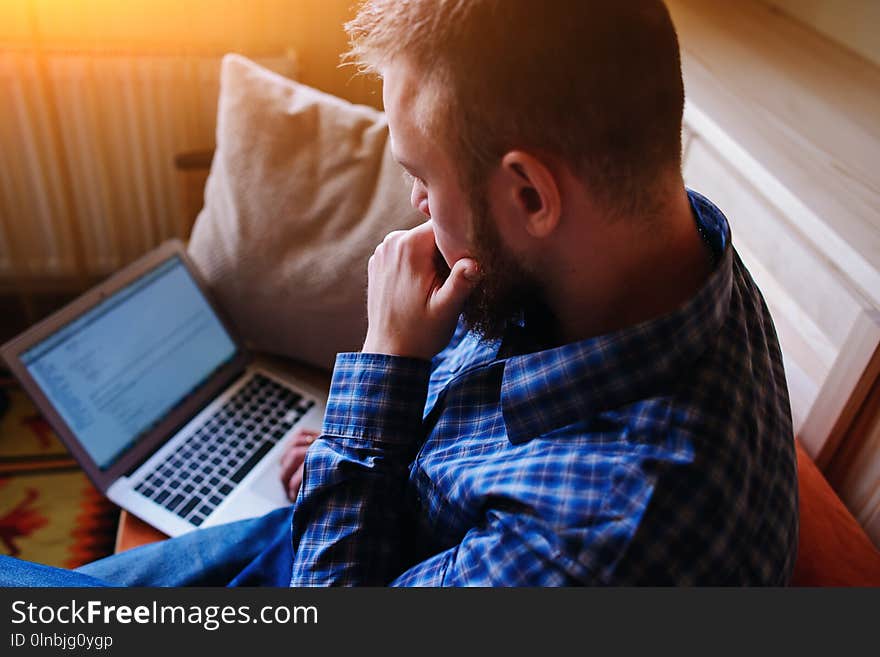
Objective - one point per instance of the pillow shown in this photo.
(833, 549)
(302, 188)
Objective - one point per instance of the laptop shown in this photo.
(149, 387)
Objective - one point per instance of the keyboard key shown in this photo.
(189, 506)
(161, 496)
(173, 502)
(197, 520)
(225, 489)
(248, 465)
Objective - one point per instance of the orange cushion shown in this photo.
(833, 549)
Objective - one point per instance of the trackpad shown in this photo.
(268, 485)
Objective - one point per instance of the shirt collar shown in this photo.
(547, 390)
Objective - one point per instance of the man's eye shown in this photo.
(410, 179)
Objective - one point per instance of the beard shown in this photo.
(507, 292)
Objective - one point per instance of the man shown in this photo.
(569, 377)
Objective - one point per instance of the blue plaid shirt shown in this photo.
(659, 454)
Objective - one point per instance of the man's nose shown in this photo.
(419, 200)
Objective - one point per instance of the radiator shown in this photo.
(87, 146)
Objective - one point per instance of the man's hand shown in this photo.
(412, 311)
(292, 461)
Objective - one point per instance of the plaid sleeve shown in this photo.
(377, 397)
(348, 520)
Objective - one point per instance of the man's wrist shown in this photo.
(373, 346)
(386, 347)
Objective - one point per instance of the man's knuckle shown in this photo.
(392, 237)
(409, 243)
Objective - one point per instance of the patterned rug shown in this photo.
(49, 510)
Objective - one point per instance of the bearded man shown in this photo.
(594, 394)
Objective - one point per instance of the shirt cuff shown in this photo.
(377, 397)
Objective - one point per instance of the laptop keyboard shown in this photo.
(196, 478)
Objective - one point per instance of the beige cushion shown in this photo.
(302, 188)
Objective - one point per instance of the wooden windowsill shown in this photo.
(803, 110)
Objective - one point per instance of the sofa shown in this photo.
(833, 549)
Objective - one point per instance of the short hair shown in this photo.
(596, 83)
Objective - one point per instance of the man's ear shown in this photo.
(533, 191)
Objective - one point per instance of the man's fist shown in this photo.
(292, 461)
(412, 310)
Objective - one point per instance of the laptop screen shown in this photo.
(117, 370)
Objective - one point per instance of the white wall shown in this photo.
(853, 23)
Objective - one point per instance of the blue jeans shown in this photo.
(256, 552)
